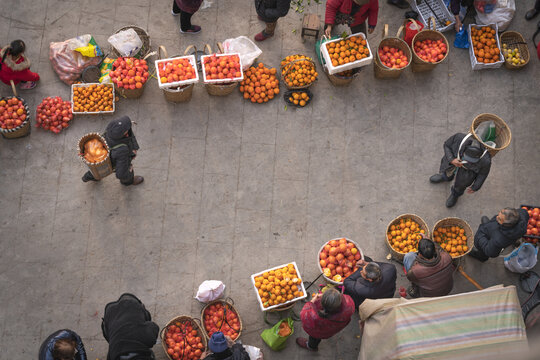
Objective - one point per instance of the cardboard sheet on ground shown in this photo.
(485, 324)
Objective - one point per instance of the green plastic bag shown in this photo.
(273, 339)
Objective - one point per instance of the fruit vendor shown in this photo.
(62, 344)
(123, 146)
(128, 328)
(466, 160)
(455, 7)
(224, 348)
(372, 280)
(15, 66)
(352, 13)
(503, 230)
(186, 9)
(324, 316)
(270, 11)
(430, 271)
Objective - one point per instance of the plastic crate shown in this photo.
(478, 65)
(442, 12)
(93, 112)
(349, 66)
(193, 63)
(530, 236)
(206, 80)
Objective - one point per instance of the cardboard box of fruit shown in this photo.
(92, 99)
(354, 45)
(484, 47)
(533, 226)
(337, 259)
(222, 68)
(177, 71)
(278, 286)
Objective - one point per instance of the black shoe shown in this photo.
(476, 254)
(437, 178)
(451, 201)
(137, 180)
(87, 179)
(402, 4)
(484, 219)
(531, 14)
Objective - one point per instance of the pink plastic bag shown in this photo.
(69, 64)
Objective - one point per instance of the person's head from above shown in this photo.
(473, 152)
(426, 248)
(371, 272)
(64, 349)
(119, 128)
(331, 301)
(16, 48)
(218, 342)
(508, 217)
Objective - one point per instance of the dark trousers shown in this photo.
(185, 17)
(313, 343)
(464, 178)
(537, 5)
(479, 254)
(88, 177)
(359, 28)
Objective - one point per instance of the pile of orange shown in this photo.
(484, 41)
(93, 98)
(298, 71)
(299, 98)
(279, 286)
(452, 239)
(404, 235)
(260, 84)
(347, 50)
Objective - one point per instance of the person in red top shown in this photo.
(351, 12)
(325, 316)
(14, 66)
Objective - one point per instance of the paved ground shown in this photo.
(233, 188)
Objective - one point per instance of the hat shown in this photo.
(473, 153)
(217, 342)
(117, 128)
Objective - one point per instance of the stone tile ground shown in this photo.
(233, 188)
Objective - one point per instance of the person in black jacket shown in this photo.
(270, 11)
(501, 231)
(372, 280)
(128, 328)
(62, 344)
(123, 146)
(466, 160)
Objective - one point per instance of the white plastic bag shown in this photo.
(126, 42)
(521, 259)
(210, 290)
(254, 352)
(502, 15)
(245, 47)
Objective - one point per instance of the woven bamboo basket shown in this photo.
(222, 89)
(502, 131)
(398, 255)
(101, 169)
(145, 38)
(452, 221)
(383, 72)
(419, 65)
(182, 319)
(515, 39)
(181, 93)
(227, 303)
(327, 279)
(23, 129)
(133, 93)
(340, 80)
(286, 68)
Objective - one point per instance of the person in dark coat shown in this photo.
(466, 160)
(455, 7)
(531, 14)
(62, 344)
(186, 9)
(123, 146)
(224, 348)
(501, 231)
(128, 328)
(352, 13)
(372, 280)
(430, 271)
(270, 11)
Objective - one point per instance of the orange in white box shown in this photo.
(222, 68)
(177, 71)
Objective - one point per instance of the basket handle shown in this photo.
(199, 323)
(13, 87)
(413, 21)
(385, 31)
(229, 300)
(399, 31)
(160, 50)
(189, 48)
(220, 47)
(209, 48)
(431, 23)
(151, 53)
(161, 332)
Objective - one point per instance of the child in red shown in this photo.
(15, 66)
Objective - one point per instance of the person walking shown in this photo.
(352, 13)
(466, 160)
(185, 9)
(224, 348)
(270, 11)
(372, 280)
(128, 328)
(123, 147)
(531, 14)
(62, 344)
(430, 271)
(15, 66)
(501, 231)
(324, 316)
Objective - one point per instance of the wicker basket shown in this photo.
(327, 279)
(502, 131)
(419, 65)
(339, 80)
(182, 318)
(227, 302)
(222, 89)
(515, 39)
(384, 72)
(395, 254)
(145, 38)
(21, 130)
(451, 221)
(101, 169)
(285, 69)
(181, 93)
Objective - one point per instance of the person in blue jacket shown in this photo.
(62, 345)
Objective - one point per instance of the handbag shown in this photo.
(273, 339)
(412, 27)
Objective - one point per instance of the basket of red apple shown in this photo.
(392, 57)
(221, 72)
(14, 117)
(129, 76)
(430, 48)
(533, 225)
(183, 338)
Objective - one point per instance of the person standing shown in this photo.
(270, 11)
(372, 280)
(501, 231)
(352, 13)
(324, 316)
(123, 147)
(62, 344)
(15, 66)
(186, 9)
(531, 14)
(466, 160)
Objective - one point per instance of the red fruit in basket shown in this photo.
(430, 50)
(220, 66)
(125, 70)
(534, 231)
(177, 68)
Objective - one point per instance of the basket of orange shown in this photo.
(183, 338)
(484, 48)
(298, 71)
(260, 84)
(454, 235)
(403, 234)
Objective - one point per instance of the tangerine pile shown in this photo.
(484, 43)
(260, 84)
(299, 98)
(93, 98)
(279, 286)
(452, 239)
(298, 70)
(404, 235)
(347, 50)
(338, 259)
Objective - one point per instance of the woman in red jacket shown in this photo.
(325, 316)
(353, 13)
(14, 66)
